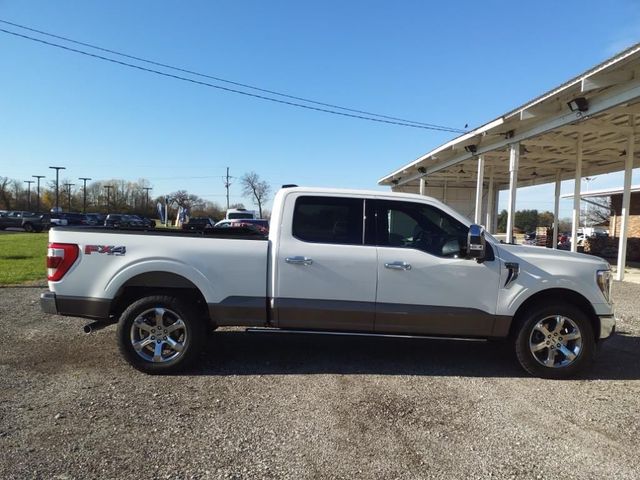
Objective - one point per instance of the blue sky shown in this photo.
(450, 63)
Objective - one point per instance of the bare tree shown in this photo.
(5, 192)
(597, 211)
(252, 186)
(184, 199)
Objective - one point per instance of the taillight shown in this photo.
(60, 257)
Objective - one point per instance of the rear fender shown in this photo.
(192, 274)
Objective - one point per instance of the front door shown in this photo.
(425, 283)
(325, 276)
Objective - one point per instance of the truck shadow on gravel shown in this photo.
(242, 353)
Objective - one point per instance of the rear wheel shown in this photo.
(555, 341)
(28, 227)
(160, 334)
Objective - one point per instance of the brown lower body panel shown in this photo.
(340, 315)
(324, 314)
(240, 311)
(439, 320)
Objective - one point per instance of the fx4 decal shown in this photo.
(108, 249)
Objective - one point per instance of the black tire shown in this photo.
(190, 334)
(529, 336)
(28, 227)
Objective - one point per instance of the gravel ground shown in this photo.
(296, 406)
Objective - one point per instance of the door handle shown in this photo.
(398, 266)
(299, 260)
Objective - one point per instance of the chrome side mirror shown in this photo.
(476, 245)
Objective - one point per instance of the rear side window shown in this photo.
(328, 220)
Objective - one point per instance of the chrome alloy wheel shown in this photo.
(555, 341)
(158, 335)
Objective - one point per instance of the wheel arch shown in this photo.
(158, 283)
(559, 295)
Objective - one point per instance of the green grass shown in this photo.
(23, 257)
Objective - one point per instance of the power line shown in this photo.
(232, 90)
(231, 82)
(195, 177)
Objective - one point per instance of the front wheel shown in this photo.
(555, 341)
(160, 334)
(28, 227)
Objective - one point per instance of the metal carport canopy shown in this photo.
(544, 141)
(547, 131)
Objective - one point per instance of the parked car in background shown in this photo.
(29, 221)
(260, 225)
(240, 213)
(146, 222)
(594, 231)
(120, 220)
(95, 218)
(58, 222)
(529, 238)
(199, 223)
(74, 218)
(232, 223)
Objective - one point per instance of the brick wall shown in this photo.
(634, 215)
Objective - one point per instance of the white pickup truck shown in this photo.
(363, 262)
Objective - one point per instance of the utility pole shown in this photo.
(84, 193)
(108, 188)
(29, 182)
(69, 185)
(227, 185)
(57, 169)
(38, 177)
(146, 201)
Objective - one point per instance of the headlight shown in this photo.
(603, 277)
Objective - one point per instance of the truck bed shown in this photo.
(230, 274)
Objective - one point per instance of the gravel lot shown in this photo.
(295, 406)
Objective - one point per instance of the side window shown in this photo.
(420, 226)
(328, 220)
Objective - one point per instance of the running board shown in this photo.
(358, 334)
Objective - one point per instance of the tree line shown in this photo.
(595, 213)
(122, 196)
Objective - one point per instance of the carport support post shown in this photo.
(514, 160)
(479, 184)
(423, 186)
(556, 211)
(575, 220)
(626, 198)
(490, 199)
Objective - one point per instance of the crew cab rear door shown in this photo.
(325, 275)
(425, 283)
